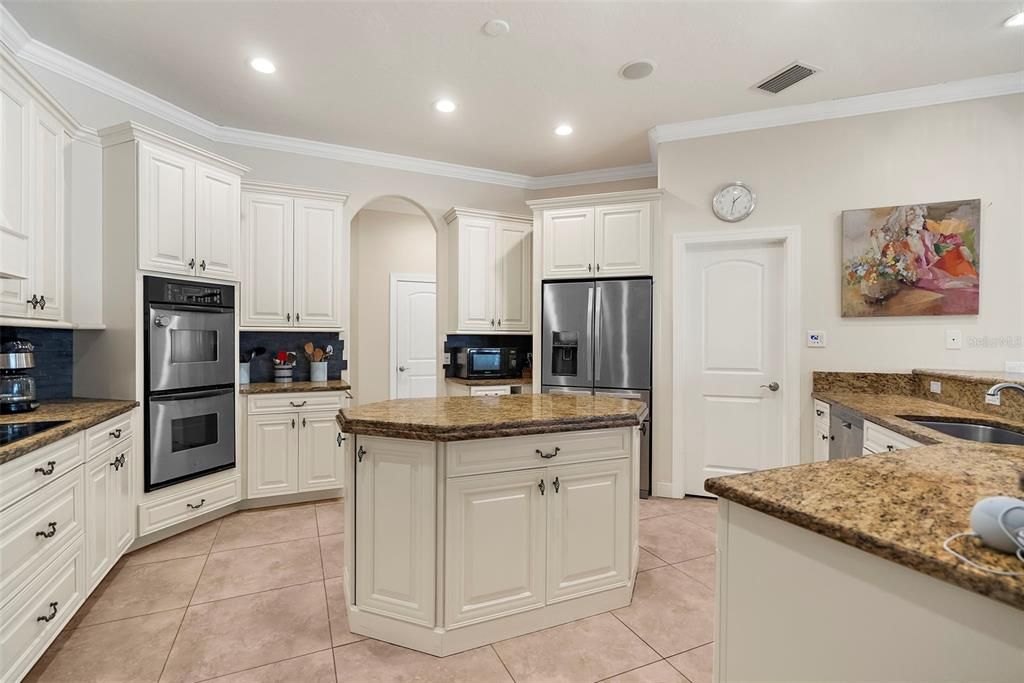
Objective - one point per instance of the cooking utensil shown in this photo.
(309, 350)
(318, 355)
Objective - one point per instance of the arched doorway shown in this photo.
(394, 299)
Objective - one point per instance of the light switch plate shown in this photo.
(935, 387)
(447, 359)
(816, 339)
(954, 340)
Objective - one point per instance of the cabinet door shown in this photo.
(476, 274)
(167, 211)
(494, 545)
(46, 194)
(266, 289)
(588, 528)
(821, 442)
(318, 263)
(273, 453)
(623, 240)
(99, 555)
(218, 223)
(14, 197)
(395, 518)
(568, 243)
(512, 266)
(122, 501)
(320, 453)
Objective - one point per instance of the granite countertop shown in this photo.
(81, 413)
(982, 376)
(460, 418)
(293, 387)
(489, 382)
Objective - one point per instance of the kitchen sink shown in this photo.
(13, 431)
(972, 431)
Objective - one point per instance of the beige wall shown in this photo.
(383, 242)
(806, 175)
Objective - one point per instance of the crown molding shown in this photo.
(594, 199)
(130, 130)
(11, 32)
(460, 211)
(910, 98)
(600, 175)
(294, 191)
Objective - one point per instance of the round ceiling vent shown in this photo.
(496, 27)
(637, 69)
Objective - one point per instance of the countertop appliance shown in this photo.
(597, 339)
(15, 431)
(190, 379)
(487, 363)
(846, 434)
(17, 387)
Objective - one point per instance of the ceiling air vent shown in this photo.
(791, 75)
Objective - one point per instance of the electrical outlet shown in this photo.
(447, 359)
(935, 387)
(954, 340)
(993, 400)
(1015, 366)
(815, 339)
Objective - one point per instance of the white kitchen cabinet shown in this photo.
(293, 254)
(491, 270)
(601, 235)
(495, 554)
(588, 528)
(167, 205)
(822, 430)
(273, 455)
(109, 509)
(320, 455)
(15, 226)
(218, 222)
(878, 439)
(395, 570)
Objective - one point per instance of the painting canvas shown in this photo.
(918, 259)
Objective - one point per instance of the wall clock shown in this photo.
(733, 202)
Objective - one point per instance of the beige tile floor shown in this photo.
(256, 597)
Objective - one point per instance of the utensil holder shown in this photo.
(283, 373)
(318, 371)
(243, 373)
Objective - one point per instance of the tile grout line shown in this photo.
(184, 614)
(252, 668)
(636, 668)
(114, 621)
(265, 590)
(502, 661)
(652, 648)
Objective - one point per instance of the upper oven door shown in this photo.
(190, 347)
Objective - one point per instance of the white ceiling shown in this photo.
(366, 74)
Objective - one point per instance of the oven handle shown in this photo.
(191, 308)
(188, 395)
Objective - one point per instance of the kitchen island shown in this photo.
(474, 519)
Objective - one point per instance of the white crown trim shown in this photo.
(460, 211)
(260, 187)
(940, 93)
(595, 199)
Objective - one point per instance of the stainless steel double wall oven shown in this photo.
(190, 379)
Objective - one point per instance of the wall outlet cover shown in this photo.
(1015, 366)
(935, 387)
(816, 339)
(447, 359)
(954, 340)
(993, 400)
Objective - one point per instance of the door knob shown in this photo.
(771, 386)
(402, 368)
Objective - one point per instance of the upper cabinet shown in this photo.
(293, 257)
(187, 204)
(607, 235)
(490, 264)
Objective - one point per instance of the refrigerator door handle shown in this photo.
(597, 338)
(590, 331)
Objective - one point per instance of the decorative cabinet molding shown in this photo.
(491, 270)
(292, 256)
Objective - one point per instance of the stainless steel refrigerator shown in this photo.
(597, 340)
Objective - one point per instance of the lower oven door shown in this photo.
(191, 433)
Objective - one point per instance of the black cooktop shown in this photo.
(15, 431)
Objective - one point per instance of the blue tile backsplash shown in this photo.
(261, 369)
(54, 359)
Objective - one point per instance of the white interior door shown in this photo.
(733, 344)
(413, 337)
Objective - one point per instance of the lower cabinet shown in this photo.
(293, 452)
(109, 509)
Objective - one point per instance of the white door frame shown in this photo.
(393, 321)
(682, 243)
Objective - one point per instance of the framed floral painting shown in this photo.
(918, 259)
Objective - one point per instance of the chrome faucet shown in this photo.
(996, 389)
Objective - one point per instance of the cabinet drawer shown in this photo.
(878, 439)
(289, 403)
(192, 502)
(521, 452)
(24, 475)
(54, 594)
(104, 435)
(32, 531)
(821, 414)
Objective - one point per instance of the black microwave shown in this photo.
(483, 363)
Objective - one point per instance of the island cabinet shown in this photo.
(463, 543)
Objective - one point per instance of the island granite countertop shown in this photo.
(460, 418)
(293, 387)
(79, 414)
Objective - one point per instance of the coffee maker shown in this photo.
(17, 387)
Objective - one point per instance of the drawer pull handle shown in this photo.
(360, 453)
(51, 615)
(819, 413)
(50, 533)
(548, 455)
(556, 484)
(202, 501)
(49, 468)
(891, 448)
(824, 437)
(297, 405)
(116, 433)
(541, 487)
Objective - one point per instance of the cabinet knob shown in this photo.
(293, 423)
(589, 268)
(541, 487)
(890, 448)
(599, 267)
(297, 318)
(819, 413)
(499, 322)
(492, 322)
(824, 437)
(340, 439)
(42, 302)
(556, 484)
(288, 317)
(360, 453)
(303, 423)
(202, 264)
(191, 264)
(34, 301)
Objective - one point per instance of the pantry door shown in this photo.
(413, 338)
(732, 297)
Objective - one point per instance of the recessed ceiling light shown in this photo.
(637, 69)
(444, 106)
(1016, 20)
(563, 129)
(496, 27)
(263, 65)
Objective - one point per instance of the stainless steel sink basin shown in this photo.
(971, 431)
